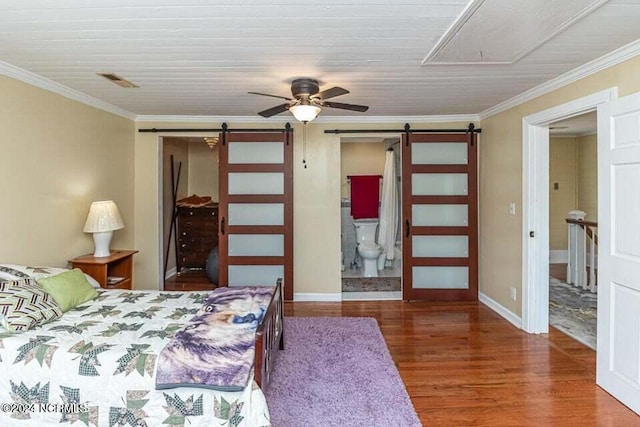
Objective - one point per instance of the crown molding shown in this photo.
(205, 119)
(606, 61)
(43, 83)
(401, 119)
(321, 119)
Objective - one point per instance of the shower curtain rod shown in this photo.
(349, 176)
(407, 129)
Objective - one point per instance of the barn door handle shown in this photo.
(222, 221)
(408, 227)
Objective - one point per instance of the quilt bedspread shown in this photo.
(96, 366)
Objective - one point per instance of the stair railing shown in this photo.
(580, 233)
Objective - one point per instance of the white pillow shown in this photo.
(11, 272)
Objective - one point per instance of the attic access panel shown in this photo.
(504, 31)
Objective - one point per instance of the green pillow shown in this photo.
(68, 289)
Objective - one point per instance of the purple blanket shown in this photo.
(216, 348)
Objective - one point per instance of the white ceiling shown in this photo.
(200, 57)
(494, 31)
(584, 124)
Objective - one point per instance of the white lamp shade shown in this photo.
(304, 113)
(103, 216)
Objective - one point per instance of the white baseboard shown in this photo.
(170, 273)
(311, 297)
(558, 257)
(372, 296)
(501, 310)
(562, 257)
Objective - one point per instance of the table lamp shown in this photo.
(104, 217)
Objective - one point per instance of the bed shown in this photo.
(96, 366)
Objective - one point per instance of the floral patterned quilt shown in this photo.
(96, 366)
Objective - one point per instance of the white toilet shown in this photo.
(368, 249)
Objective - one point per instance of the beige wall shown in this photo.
(360, 158)
(179, 149)
(573, 165)
(84, 154)
(501, 179)
(562, 170)
(58, 156)
(587, 175)
(316, 201)
(203, 170)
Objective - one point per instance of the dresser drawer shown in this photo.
(197, 235)
(190, 233)
(196, 244)
(197, 224)
(193, 260)
(197, 212)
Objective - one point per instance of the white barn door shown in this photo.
(618, 367)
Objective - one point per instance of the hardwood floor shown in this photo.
(195, 280)
(464, 365)
(559, 271)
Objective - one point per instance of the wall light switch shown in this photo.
(513, 293)
(512, 208)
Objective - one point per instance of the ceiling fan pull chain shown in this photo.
(304, 144)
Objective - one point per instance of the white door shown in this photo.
(618, 370)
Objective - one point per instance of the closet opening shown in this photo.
(189, 203)
(246, 197)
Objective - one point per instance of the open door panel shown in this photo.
(256, 209)
(440, 226)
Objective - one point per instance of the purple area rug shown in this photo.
(337, 371)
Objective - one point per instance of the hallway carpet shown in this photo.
(573, 311)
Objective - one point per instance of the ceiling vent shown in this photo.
(505, 31)
(118, 80)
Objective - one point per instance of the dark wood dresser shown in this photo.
(197, 235)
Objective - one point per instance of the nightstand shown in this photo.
(112, 272)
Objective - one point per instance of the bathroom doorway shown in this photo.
(375, 159)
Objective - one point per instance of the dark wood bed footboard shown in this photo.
(269, 337)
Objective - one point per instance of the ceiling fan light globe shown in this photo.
(305, 113)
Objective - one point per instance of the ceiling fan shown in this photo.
(307, 100)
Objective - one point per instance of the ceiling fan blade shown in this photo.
(331, 93)
(274, 110)
(272, 96)
(340, 105)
